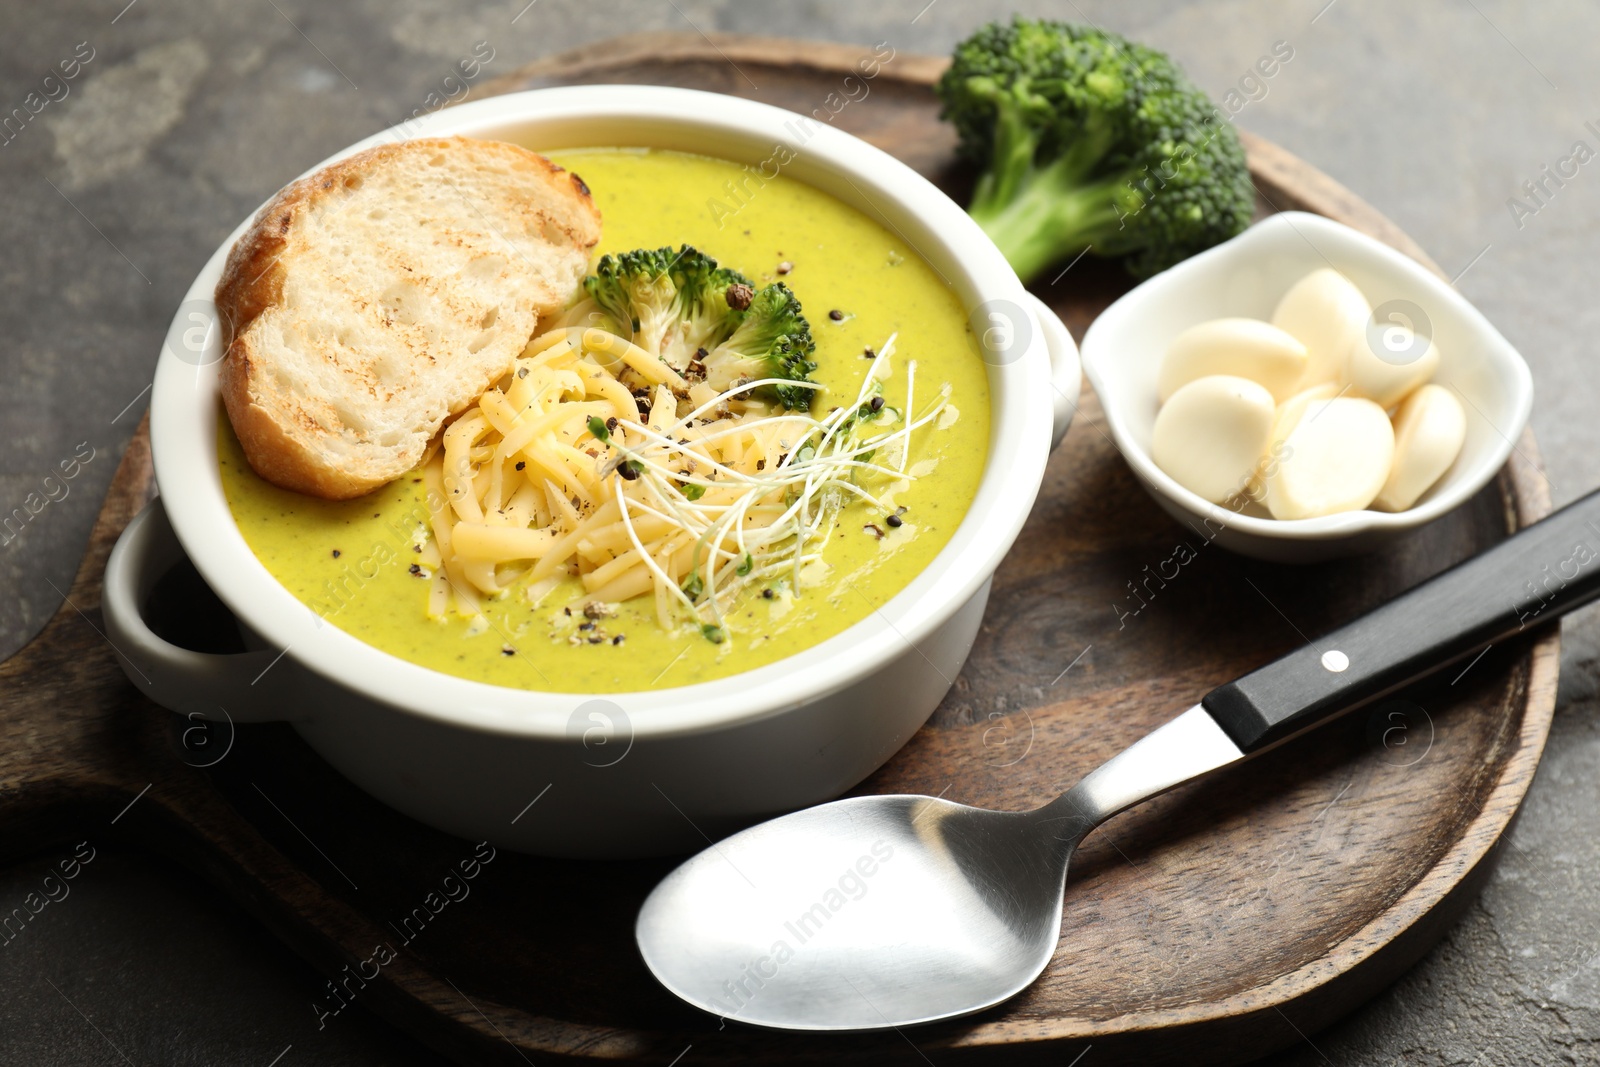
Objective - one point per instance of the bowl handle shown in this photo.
(1066, 374)
(237, 687)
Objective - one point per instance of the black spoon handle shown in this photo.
(1532, 577)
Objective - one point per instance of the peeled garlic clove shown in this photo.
(1209, 435)
(1429, 430)
(1325, 312)
(1388, 361)
(1283, 423)
(1245, 348)
(1336, 459)
(1291, 411)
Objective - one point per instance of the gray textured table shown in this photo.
(188, 113)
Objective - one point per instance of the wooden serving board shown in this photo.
(1214, 925)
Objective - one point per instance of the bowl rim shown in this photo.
(1280, 226)
(185, 405)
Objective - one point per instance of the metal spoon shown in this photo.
(887, 911)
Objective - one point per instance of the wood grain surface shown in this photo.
(1213, 925)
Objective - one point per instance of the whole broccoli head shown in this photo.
(681, 306)
(1088, 140)
(772, 340)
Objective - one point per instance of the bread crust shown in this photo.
(253, 281)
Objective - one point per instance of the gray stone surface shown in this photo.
(191, 112)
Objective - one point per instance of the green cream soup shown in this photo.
(353, 562)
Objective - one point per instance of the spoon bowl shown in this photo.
(821, 919)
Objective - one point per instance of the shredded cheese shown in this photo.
(677, 491)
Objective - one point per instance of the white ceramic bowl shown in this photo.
(1245, 277)
(617, 774)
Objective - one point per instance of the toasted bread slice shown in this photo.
(379, 296)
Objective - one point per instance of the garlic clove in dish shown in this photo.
(1336, 458)
(1210, 434)
(1327, 313)
(1245, 348)
(1388, 361)
(1292, 410)
(1429, 430)
(1283, 424)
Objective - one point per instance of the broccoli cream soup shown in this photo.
(904, 468)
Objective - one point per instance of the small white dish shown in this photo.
(1245, 277)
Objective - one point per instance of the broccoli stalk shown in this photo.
(699, 317)
(1088, 141)
(1031, 212)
